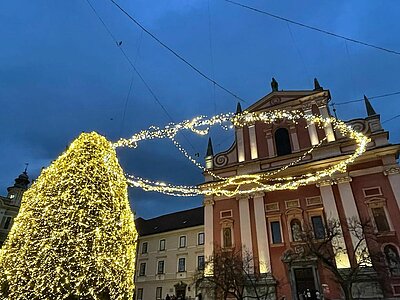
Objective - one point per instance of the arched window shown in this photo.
(282, 142)
(295, 227)
(392, 259)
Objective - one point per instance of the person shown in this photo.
(167, 297)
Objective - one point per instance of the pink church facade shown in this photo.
(267, 224)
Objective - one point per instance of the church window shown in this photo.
(276, 232)
(380, 220)
(282, 142)
(318, 227)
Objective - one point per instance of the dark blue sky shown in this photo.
(61, 74)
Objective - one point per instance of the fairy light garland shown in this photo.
(251, 183)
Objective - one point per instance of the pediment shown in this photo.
(285, 98)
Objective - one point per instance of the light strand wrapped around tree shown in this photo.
(74, 237)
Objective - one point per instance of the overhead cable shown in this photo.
(362, 99)
(312, 27)
(176, 54)
(132, 64)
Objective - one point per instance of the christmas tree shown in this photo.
(75, 236)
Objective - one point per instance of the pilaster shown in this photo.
(261, 231)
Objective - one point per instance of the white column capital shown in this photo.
(242, 197)
(258, 195)
(208, 200)
(344, 179)
(326, 182)
(392, 171)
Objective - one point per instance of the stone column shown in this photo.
(245, 227)
(208, 231)
(312, 130)
(240, 144)
(253, 142)
(262, 236)
(331, 212)
(270, 143)
(349, 207)
(393, 175)
(295, 140)
(323, 110)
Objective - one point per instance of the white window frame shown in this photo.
(143, 247)
(164, 245)
(184, 265)
(158, 267)
(376, 202)
(159, 293)
(182, 238)
(372, 188)
(275, 218)
(226, 211)
(140, 294)
(144, 269)
(198, 265)
(200, 241)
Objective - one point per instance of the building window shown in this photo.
(380, 220)
(162, 245)
(392, 259)
(182, 241)
(158, 293)
(295, 227)
(200, 262)
(225, 214)
(7, 223)
(12, 196)
(282, 142)
(318, 227)
(227, 237)
(139, 294)
(160, 267)
(142, 269)
(372, 191)
(144, 248)
(270, 207)
(181, 264)
(200, 238)
(276, 232)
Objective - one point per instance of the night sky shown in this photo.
(61, 73)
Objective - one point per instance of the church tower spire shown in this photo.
(370, 110)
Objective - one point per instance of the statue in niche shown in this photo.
(296, 230)
(393, 260)
(227, 237)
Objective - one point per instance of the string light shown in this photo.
(250, 183)
(75, 236)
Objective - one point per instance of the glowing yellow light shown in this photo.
(74, 236)
(244, 184)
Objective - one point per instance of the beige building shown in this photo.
(170, 251)
(9, 206)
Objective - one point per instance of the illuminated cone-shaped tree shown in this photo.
(74, 237)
